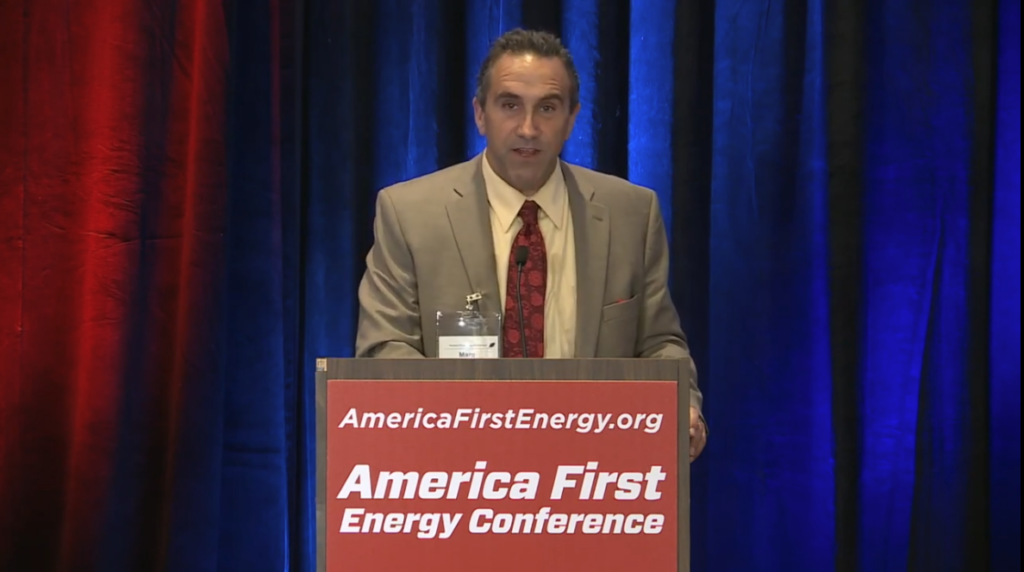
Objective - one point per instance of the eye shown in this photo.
(508, 105)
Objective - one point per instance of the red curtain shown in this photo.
(112, 200)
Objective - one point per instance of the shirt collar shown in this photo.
(506, 201)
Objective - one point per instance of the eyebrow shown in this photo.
(549, 97)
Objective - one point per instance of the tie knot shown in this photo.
(529, 212)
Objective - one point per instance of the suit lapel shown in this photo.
(590, 229)
(470, 221)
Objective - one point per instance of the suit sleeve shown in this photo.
(661, 335)
(389, 318)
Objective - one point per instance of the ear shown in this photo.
(478, 115)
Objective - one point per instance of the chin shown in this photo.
(526, 181)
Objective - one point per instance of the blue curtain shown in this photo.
(1004, 327)
(838, 182)
(841, 184)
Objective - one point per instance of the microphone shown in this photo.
(522, 254)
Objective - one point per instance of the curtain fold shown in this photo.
(1003, 351)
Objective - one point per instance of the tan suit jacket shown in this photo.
(433, 246)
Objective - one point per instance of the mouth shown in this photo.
(526, 152)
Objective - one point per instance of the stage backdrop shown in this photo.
(186, 193)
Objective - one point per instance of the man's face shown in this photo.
(526, 118)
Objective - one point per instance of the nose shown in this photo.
(527, 128)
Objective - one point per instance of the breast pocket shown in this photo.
(625, 309)
(617, 337)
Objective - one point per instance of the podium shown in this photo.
(502, 464)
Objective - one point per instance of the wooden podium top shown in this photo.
(590, 369)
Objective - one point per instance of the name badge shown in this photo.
(469, 333)
(468, 347)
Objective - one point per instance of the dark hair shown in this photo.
(521, 42)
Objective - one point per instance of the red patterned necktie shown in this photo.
(534, 285)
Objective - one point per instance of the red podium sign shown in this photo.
(501, 476)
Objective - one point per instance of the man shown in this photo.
(594, 280)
